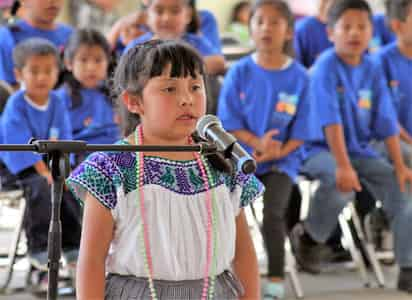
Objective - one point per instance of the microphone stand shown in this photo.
(57, 152)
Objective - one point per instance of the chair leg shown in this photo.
(367, 246)
(14, 246)
(350, 243)
(291, 270)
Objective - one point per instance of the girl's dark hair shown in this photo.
(83, 37)
(15, 7)
(33, 47)
(283, 8)
(236, 9)
(145, 61)
(339, 7)
(398, 9)
(194, 25)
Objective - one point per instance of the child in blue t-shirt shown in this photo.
(37, 112)
(396, 61)
(38, 20)
(354, 106)
(85, 93)
(264, 103)
(382, 33)
(168, 20)
(311, 38)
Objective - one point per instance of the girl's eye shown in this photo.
(196, 87)
(169, 89)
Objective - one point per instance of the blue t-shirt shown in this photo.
(198, 42)
(356, 97)
(22, 121)
(398, 69)
(382, 34)
(311, 40)
(209, 29)
(10, 37)
(258, 100)
(94, 120)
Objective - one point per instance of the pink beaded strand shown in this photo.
(210, 230)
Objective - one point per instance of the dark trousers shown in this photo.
(276, 199)
(38, 212)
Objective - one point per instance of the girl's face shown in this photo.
(168, 18)
(42, 11)
(269, 29)
(170, 107)
(89, 65)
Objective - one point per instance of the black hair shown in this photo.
(339, 7)
(33, 47)
(194, 25)
(236, 9)
(285, 11)
(83, 37)
(132, 74)
(398, 9)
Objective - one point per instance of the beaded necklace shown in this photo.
(211, 232)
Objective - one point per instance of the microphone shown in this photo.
(210, 128)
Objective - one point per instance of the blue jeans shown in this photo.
(378, 177)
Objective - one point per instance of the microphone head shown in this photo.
(204, 123)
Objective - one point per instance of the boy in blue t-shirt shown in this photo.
(396, 61)
(36, 112)
(38, 21)
(311, 37)
(354, 105)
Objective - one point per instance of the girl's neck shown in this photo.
(352, 60)
(149, 139)
(405, 49)
(40, 100)
(271, 59)
(40, 25)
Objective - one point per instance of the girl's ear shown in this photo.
(133, 103)
(17, 74)
(395, 25)
(188, 15)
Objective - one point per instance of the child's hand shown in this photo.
(404, 176)
(268, 149)
(129, 26)
(347, 180)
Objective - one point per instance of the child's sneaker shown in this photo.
(40, 283)
(39, 260)
(273, 290)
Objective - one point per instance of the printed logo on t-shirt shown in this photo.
(287, 103)
(394, 83)
(365, 99)
(54, 134)
(242, 96)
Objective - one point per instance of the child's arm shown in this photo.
(215, 64)
(42, 170)
(137, 18)
(245, 261)
(346, 178)
(403, 173)
(97, 233)
(405, 136)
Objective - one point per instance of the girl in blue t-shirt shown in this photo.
(168, 19)
(265, 105)
(85, 92)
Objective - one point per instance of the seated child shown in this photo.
(38, 20)
(37, 112)
(355, 107)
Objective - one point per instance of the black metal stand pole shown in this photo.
(57, 150)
